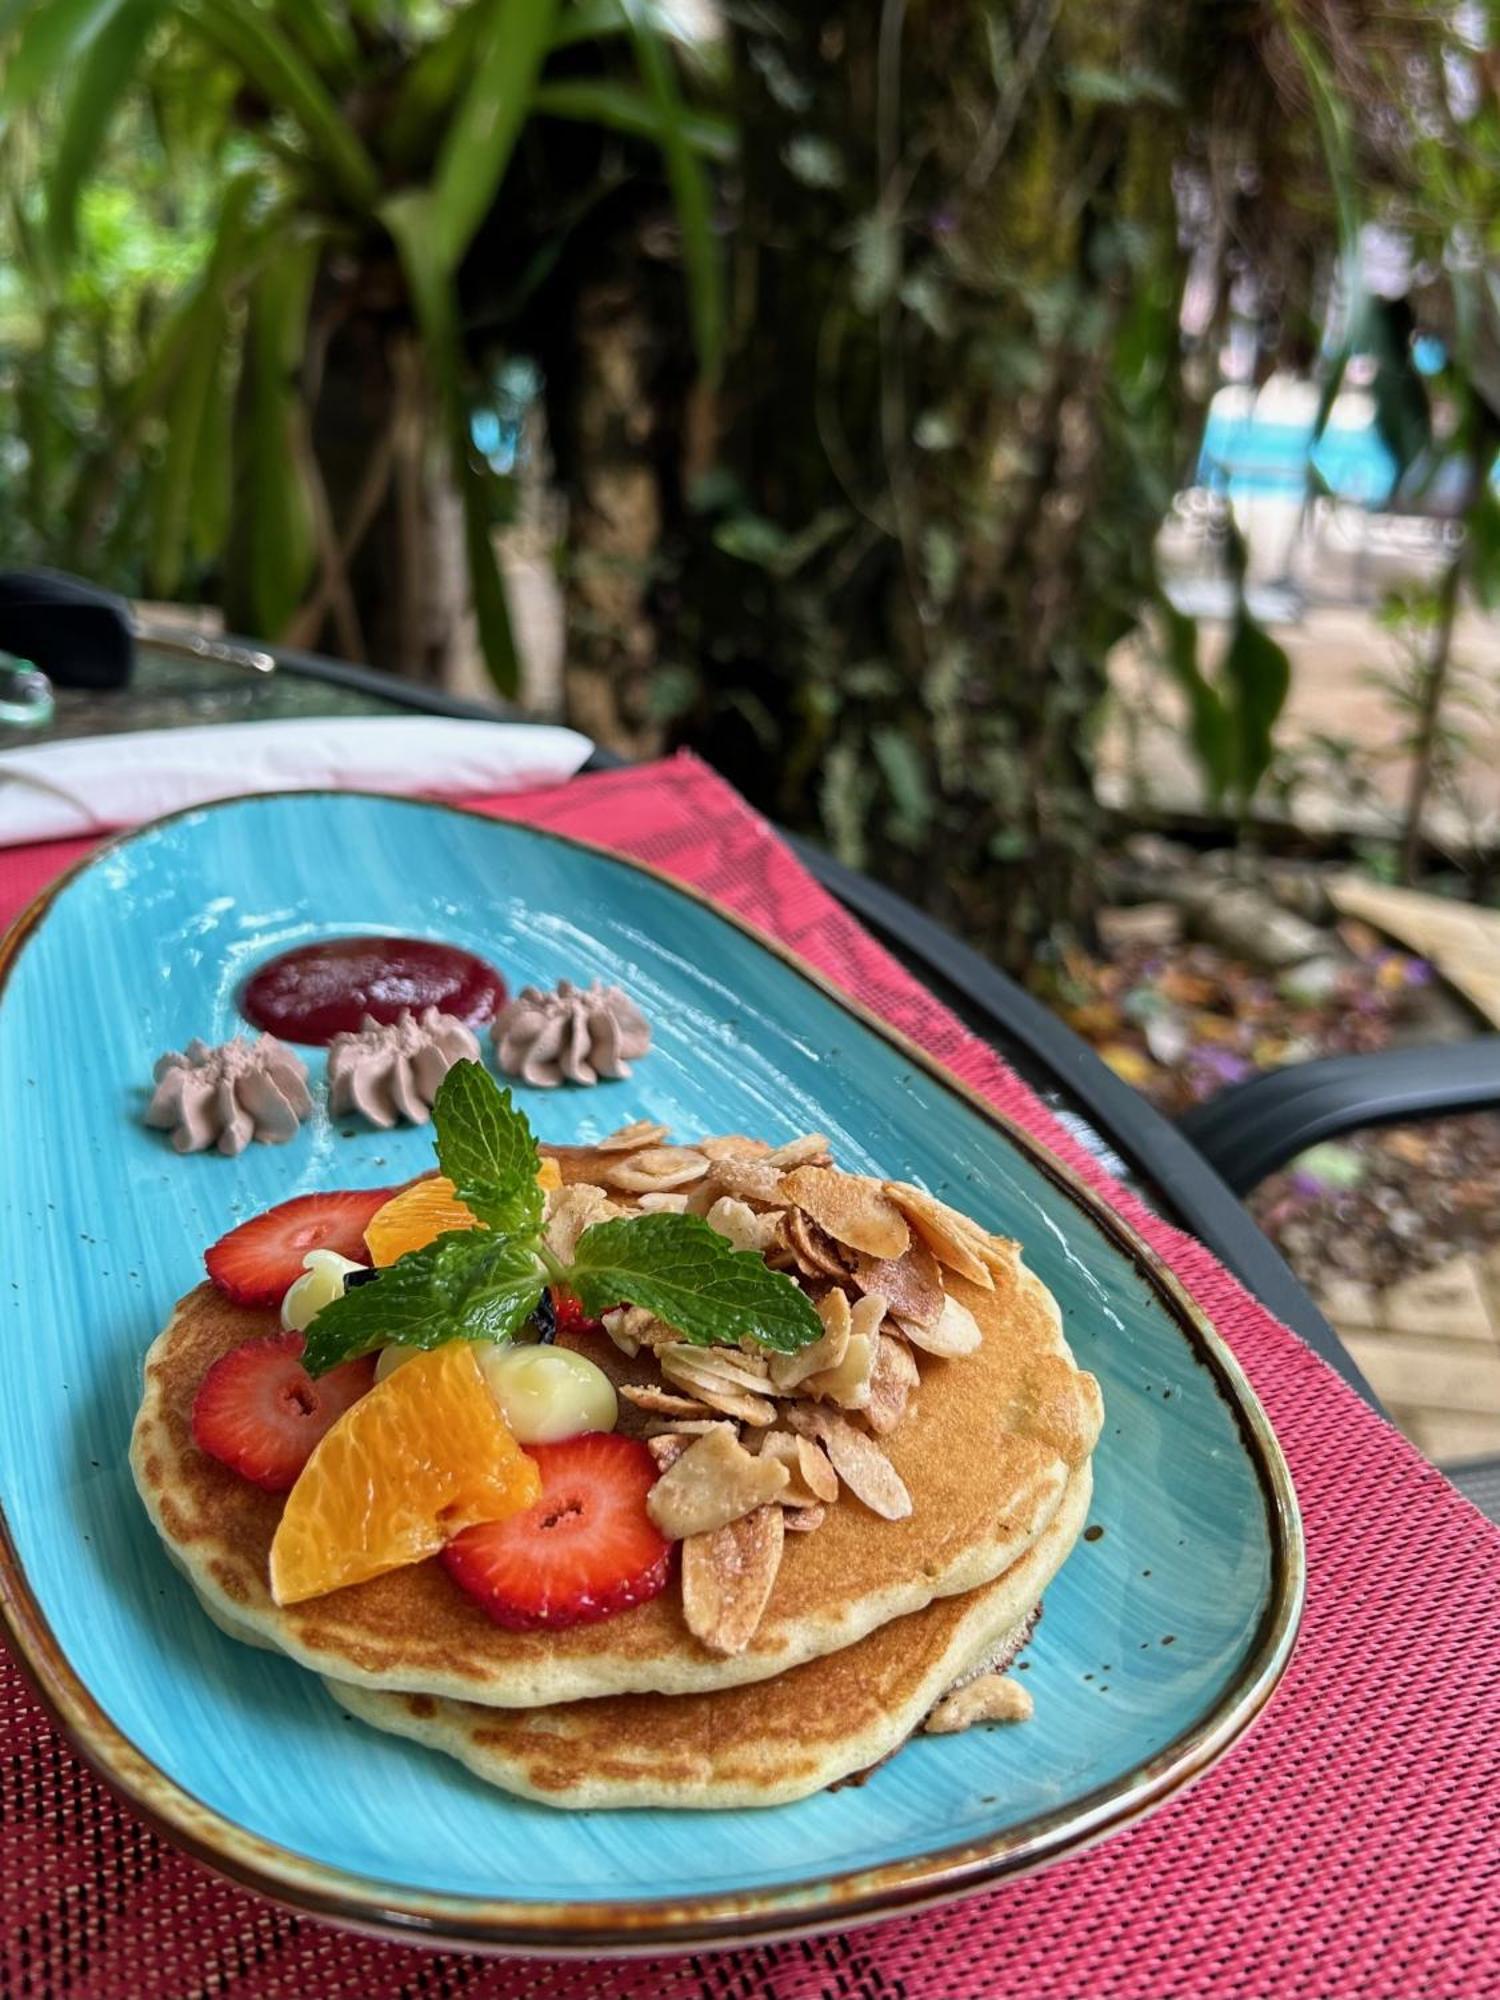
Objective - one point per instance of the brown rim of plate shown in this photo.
(646, 1927)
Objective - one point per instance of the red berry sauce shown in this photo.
(321, 990)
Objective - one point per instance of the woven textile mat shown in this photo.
(1350, 1846)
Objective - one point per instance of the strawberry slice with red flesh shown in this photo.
(259, 1412)
(587, 1549)
(255, 1263)
(571, 1317)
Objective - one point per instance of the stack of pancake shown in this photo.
(868, 1625)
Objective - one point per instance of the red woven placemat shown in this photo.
(1350, 1847)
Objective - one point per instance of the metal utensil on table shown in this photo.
(200, 646)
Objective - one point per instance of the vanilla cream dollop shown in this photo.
(390, 1071)
(575, 1034)
(228, 1095)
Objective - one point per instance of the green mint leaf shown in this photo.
(488, 1150)
(687, 1274)
(467, 1284)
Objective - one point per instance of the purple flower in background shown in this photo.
(1223, 1065)
(1418, 972)
(1306, 1183)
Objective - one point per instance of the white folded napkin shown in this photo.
(92, 784)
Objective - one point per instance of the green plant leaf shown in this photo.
(324, 34)
(428, 88)
(186, 413)
(686, 1273)
(1482, 527)
(213, 467)
(597, 20)
(408, 217)
(621, 107)
(1258, 674)
(1210, 729)
(481, 137)
(488, 1150)
(465, 1285)
(280, 540)
(277, 69)
(692, 196)
(98, 80)
(53, 35)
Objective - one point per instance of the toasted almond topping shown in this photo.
(631, 1138)
(631, 1328)
(744, 1228)
(727, 1579)
(848, 1385)
(799, 1152)
(952, 1238)
(866, 1315)
(956, 1331)
(648, 1396)
(810, 1478)
(991, 1698)
(892, 1380)
(814, 1249)
(662, 1204)
(688, 1427)
(1002, 1254)
(734, 1146)
(666, 1450)
(715, 1481)
(857, 1459)
(712, 1383)
(912, 1285)
(851, 1208)
(727, 1364)
(802, 1520)
(572, 1209)
(747, 1180)
(656, 1169)
(789, 1370)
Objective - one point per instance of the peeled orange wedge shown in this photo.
(424, 1455)
(411, 1219)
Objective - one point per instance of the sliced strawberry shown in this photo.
(261, 1413)
(255, 1263)
(571, 1317)
(586, 1550)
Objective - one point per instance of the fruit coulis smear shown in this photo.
(317, 991)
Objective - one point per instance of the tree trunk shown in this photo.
(950, 431)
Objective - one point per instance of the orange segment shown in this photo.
(423, 1210)
(422, 1456)
(411, 1219)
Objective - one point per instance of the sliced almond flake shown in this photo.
(789, 1370)
(631, 1138)
(746, 1230)
(850, 1207)
(726, 1364)
(867, 1315)
(952, 1238)
(747, 1180)
(720, 1394)
(955, 1332)
(1002, 1254)
(848, 1384)
(656, 1170)
(990, 1698)
(734, 1146)
(666, 1450)
(912, 1285)
(569, 1211)
(662, 1204)
(648, 1396)
(814, 1249)
(802, 1520)
(892, 1381)
(715, 1481)
(810, 1477)
(728, 1577)
(799, 1152)
(857, 1459)
(687, 1427)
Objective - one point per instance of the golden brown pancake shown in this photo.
(759, 1745)
(985, 1451)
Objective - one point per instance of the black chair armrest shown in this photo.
(1251, 1129)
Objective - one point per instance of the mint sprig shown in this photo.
(488, 1150)
(484, 1283)
(690, 1276)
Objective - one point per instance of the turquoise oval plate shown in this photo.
(1163, 1636)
